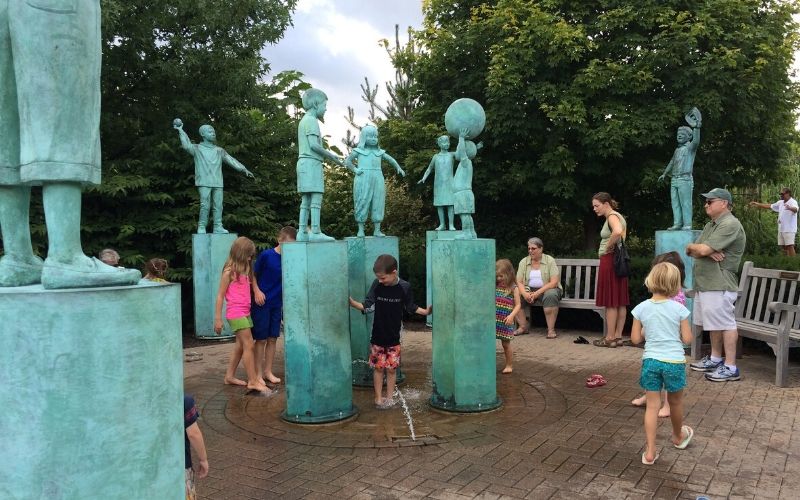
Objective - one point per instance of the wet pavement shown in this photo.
(552, 438)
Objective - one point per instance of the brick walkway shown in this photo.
(553, 438)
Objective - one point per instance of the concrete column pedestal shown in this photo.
(316, 327)
(464, 375)
(209, 253)
(91, 392)
(429, 237)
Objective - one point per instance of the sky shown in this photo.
(334, 43)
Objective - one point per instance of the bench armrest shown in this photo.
(783, 306)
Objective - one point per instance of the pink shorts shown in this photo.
(384, 357)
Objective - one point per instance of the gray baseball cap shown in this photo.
(719, 193)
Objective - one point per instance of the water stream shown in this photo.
(407, 412)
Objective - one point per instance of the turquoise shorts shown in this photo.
(657, 375)
(240, 323)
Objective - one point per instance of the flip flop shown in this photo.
(580, 340)
(551, 334)
(596, 382)
(594, 376)
(688, 439)
(604, 343)
(644, 460)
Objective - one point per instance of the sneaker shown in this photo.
(723, 374)
(705, 365)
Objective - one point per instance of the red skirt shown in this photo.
(611, 290)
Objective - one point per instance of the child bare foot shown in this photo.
(664, 411)
(259, 387)
(272, 379)
(234, 381)
(507, 369)
(640, 401)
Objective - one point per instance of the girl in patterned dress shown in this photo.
(507, 305)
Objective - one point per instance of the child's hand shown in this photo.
(429, 310)
(201, 469)
(217, 326)
(260, 298)
(353, 302)
(509, 320)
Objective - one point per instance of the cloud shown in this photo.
(335, 44)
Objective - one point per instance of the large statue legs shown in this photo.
(210, 201)
(311, 204)
(681, 195)
(19, 266)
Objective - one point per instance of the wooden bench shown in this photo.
(579, 280)
(767, 309)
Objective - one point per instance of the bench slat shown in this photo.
(578, 273)
(587, 291)
(750, 300)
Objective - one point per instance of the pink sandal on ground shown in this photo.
(596, 380)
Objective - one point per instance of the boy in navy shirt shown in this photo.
(387, 297)
(268, 308)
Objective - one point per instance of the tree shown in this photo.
(586, 95)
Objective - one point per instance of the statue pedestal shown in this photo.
(92, 391)
(361, 255)
(429, 237)
(463, 339)
(668, 241)
(316, 332)
(209, 253)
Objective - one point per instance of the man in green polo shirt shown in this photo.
(717, 253)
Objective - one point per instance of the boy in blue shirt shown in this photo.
(268, 308)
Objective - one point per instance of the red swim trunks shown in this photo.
(384, 357)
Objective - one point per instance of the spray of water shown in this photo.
(362, 361)
(407, 412)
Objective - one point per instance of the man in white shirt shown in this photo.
(787, 219)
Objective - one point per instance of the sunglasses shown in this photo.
(712, 200)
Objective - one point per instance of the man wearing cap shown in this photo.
(717, 253)
(787, 219)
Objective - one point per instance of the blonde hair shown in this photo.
(240, 258)
(664, 279)
(505, 269)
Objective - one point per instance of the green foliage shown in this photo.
(584, 96)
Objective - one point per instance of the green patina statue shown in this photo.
(310, 182)
(50, 122)
(464, 199)
(465, 119)
(369, 189)
(680, 168)
(442, 165)
(208, 159)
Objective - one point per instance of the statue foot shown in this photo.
(674, 228)
(320, 237)
(378, 234)
(452, 228)
(361, 233)
(686, 228)
(16, 271)
(302, 234)
(86, 272)
(440, 227)
(220, 230)
(201, 230)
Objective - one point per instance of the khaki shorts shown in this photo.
(715, 310)
(786, 239)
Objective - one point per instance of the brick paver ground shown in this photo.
(553, 437)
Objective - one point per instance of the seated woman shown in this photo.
(539, 281)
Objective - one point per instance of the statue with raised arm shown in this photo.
(680, 168)
(310, 181)
(463, 197)
(50, 123)
(369, 188)
(442, 166)
(208, 160)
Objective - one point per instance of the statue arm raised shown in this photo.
(236, 165)
(695, 120)
(393, 162)
(186, 143)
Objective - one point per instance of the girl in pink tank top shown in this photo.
(234, 289)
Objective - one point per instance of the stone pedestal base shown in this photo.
(91, 392)
(316, 332)
(209, 253)
(668, 241)
(429, 237)
(361, 255)
(463, 345)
